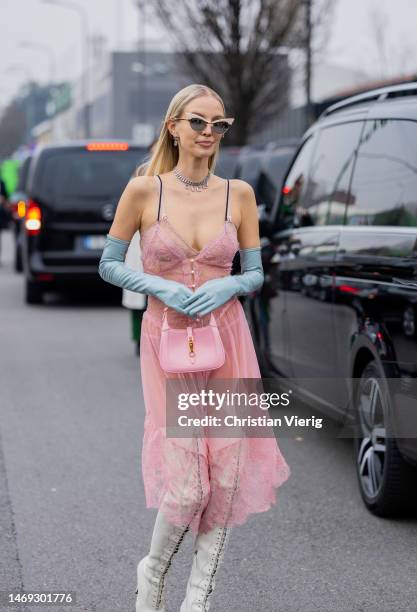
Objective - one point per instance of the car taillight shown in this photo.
(33, 217)
(286, 190)
(21, 209)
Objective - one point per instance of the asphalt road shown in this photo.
(72, 510)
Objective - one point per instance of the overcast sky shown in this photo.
(351, 41)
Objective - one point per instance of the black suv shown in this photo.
(72, 193)
(340, 295)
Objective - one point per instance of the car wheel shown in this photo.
(387, 482)
(18, 264)
(33, 292)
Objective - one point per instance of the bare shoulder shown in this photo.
(244, 191)
(142, 185)
(133, 201)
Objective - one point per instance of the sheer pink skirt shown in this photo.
(205, 482)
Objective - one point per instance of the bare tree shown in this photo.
(378, 23)
(392, 59)
(239, 48)
(12, 128)
(312, 37)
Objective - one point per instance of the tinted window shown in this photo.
(291, 212)
(85, 173)
(248, 169)
(330, 173)
(227, 163)
(272, 175)
(23, 174)
(384, 186)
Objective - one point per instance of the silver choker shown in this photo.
(192, 185)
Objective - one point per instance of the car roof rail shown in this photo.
(382, 93)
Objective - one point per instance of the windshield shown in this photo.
(86, 174)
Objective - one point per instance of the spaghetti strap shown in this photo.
(160, 196)
(227, 216)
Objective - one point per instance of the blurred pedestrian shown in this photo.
(4, 209)
(134, 301)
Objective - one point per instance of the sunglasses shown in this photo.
(220, 126)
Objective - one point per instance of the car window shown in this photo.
(79, 173)
(266, 190)
(384, 185)
(290, 210)
(271, 177)
(330, 173)
(23, 175)
(227, 162)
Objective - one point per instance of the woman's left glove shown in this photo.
(216, 291)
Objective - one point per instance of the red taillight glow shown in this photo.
(33, 218)
(286, 190)
(107, 146)
(349, 289)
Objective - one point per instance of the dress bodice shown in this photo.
(166, 254)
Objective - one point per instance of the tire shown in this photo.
(18, 263)
(33, 292)
(387, 483)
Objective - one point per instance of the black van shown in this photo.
(72, 193)
(340, 295)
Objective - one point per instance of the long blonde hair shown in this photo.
(165, 155)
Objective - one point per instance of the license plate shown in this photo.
(93, 243)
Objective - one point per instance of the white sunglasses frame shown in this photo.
(228, 120)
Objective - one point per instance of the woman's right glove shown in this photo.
(113, 270)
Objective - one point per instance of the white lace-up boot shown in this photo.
(208, 554)
(152, 569)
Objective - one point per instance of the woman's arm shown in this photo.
(112, 268)
(248, 231)
(128, 215)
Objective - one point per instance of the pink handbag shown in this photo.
(191, 349)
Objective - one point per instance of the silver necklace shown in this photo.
(192, 185)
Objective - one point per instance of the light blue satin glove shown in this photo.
(113, 270)
(217, 291)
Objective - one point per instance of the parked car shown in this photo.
(17, 203)
(340, 295)
(273, 166)
(73, 190)
(227, 162)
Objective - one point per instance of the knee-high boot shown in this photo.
(208, 555)
(152, 569)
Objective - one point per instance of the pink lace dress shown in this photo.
(200, 481)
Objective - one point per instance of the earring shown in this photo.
(175, 141)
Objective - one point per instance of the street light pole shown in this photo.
(29, 107)
(308, 75)
(142, 74)
(29, 44)
(83, 15)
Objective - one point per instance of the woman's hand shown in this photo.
(210, 295)
(172, 293)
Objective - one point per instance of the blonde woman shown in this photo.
(191, 223)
